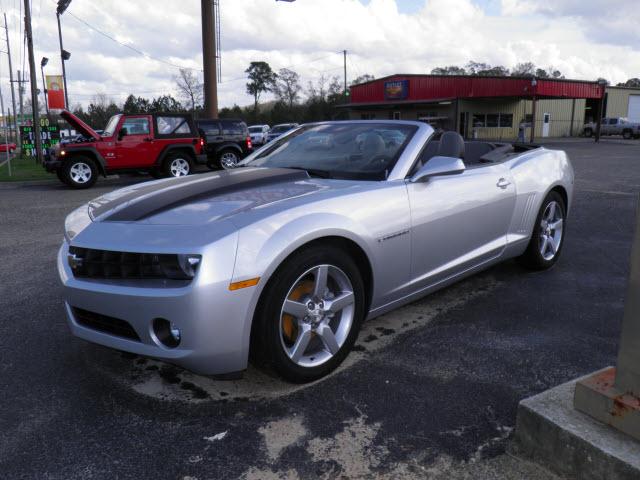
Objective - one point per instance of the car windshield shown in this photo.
(110, 129)
(255, 129)
(355, 151)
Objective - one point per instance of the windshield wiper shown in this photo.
(313, 172)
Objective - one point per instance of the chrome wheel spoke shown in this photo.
(556, 225)
(340, 302)
(329, 339)
(320, 285)
(544, 245)
(296, 309)
(552, 244)
(551, 215)
(302, 342)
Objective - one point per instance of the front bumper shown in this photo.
(214, 322)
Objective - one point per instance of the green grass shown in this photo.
(23, 169)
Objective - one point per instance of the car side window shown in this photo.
(136, 126)
(232, 128)
(210, 128)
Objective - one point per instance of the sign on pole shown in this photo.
(55, 92)
(50, 136)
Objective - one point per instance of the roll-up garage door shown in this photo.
(634, 108)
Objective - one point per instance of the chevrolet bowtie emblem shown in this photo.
(75, 262)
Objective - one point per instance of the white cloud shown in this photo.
(584, 39)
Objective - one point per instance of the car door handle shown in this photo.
(503, 183)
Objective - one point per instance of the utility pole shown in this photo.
(34, 80)
(13, 94)
(345, 71)
(209, 59)
(20, 94)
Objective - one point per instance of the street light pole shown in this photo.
(43, 62)
(33, 82)
(63, 54)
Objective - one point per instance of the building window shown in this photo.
(493, 120)
(396, 115)
(479, 120)
(506, 120)
(367, 116)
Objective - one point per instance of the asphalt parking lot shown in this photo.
(430, 392)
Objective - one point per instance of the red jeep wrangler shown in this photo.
(160, 143)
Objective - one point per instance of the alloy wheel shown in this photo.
(80, 172)
(551, 226)
(179, 167)
(228, 160)
(317, 315)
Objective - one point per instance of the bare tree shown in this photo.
(287, 87)
(189, 87)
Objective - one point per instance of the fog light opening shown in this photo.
(167, 334)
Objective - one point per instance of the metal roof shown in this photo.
(411, 88)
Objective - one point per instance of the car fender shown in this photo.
(262, 257)
(172, 148)
(90, 151)
(227, 146)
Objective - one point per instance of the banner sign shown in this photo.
(396, 90)
(55, 92)
(50, 136)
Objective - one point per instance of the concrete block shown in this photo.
(598, 396)
(550, 431)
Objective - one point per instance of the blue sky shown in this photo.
(491, 7)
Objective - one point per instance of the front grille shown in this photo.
(103, 323)
(91, 263)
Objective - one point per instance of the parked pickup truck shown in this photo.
(614, 126)
(163, 144)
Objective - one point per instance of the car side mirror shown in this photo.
(437, 166)
(122, 133)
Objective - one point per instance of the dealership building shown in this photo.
(493, 107)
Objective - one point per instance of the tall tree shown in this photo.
(165, 103)
(135, 104)
(450, 70)
(261, 79)
(362, 79)
(287, 87)
(189, 87)
(632, 82)
(526, 69)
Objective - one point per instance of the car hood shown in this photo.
(206, 198)
(78, 125)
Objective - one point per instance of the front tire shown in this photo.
(547, 238)
(309, 314)
(178, 165)
(79, 172)
(627, 134)
(588, 132)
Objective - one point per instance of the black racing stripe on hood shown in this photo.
(171, 194)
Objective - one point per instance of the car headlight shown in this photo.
(75, 222)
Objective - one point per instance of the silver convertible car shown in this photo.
(281, 259)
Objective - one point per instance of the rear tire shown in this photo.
(627, 134)
(547, 239)
(228, 159)
(79, 172)
(588, 132)
(277, 333)
(178, 165)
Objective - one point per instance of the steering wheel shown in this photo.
(376, 162)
